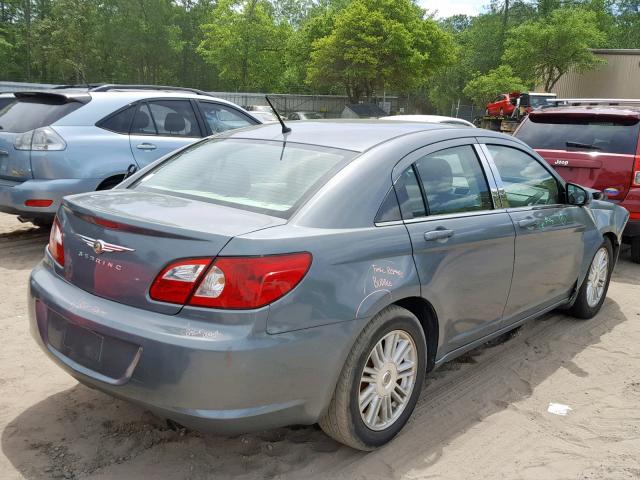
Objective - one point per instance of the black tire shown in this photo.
(342, 420)
(581, 307)
(635, 249)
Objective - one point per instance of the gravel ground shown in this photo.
(482, 416)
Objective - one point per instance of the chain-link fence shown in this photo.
(466, 112)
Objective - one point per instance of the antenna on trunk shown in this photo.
(285, 129)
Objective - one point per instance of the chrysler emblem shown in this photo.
(100, 246)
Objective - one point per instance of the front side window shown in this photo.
(453, 181)
(526, 181)
(262, 176)
(221, 118)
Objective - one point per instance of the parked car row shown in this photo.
(275, 274)
(312, 272)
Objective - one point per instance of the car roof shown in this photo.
(427, 118)
(355, 135)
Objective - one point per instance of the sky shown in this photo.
(453, 7)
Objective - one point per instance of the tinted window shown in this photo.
(174, 118)
(262, 176)
(142, 122)
(221, 118)
(453, 181)
(27, 114)
(120, 122)
(409, 195)
(560, 132)
(526, 181)
(389, 210)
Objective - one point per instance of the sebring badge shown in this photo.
(100, 246)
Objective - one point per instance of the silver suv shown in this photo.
(72, 140)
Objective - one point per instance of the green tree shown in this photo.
(484, 88)
(544, 50)
(246, 45)
(377, 45)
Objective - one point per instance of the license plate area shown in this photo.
(104, 354)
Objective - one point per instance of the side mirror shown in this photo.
(577, 195)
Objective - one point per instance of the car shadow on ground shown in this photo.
(81, 433)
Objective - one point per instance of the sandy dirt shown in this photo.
(482, 416)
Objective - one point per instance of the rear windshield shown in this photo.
(559, 132)
(268, 177)
(29, 113)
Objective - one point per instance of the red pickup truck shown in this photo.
(594, 143)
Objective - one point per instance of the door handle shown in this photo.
(146, 146)
(440, 234)
(528, 223)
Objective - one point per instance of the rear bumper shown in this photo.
(13, 195)
(218, 377)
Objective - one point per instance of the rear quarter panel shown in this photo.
(354, 274)
(91, 153)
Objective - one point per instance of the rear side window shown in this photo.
(119, 122)
(583, 133)
(453, 181)
(262, 176)
(30, 113)
(174, 118)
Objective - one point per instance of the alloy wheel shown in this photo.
(387, 380)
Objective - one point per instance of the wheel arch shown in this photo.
(428, 318)
(110, 182)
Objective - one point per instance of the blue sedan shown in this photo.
(264, 278)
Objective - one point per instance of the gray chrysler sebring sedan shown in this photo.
(259, 279)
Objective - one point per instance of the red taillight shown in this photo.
(233, 282)
(175, 283)
(38, 202)
(56, 242)
(636, 172)
(634, 216)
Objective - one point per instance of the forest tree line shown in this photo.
(361, 48)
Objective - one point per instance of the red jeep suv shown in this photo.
(593, 143)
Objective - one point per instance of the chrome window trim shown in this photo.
(450, 216)
(389, 223)
(489, 175)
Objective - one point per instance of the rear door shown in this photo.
(161, 126)
(463, 245)
(595, 151)
(549, 245)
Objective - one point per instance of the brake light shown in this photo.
(231, 282)
(636, 172)
(175, 283)
(56, 242)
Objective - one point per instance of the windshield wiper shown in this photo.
(582, 145)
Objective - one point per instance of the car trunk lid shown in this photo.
(117, 242)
